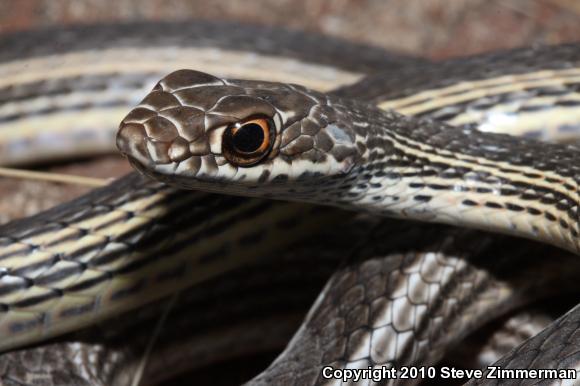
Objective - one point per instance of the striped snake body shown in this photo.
(101, 254)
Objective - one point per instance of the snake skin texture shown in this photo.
(494, 92)
(410, 80)
(489, 344)
(269, 297)
(556, 347)
(369, 305)
(111, 352)
(62, 256)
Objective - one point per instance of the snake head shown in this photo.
(198, 131)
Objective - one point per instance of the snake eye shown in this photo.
(247, 142)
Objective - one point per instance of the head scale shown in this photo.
(198, 131)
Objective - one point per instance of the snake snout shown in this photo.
(158, 142)
(131, 142)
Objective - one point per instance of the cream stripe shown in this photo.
(48, 238)
(42, 127)
(127, 96)
(550, 123)
(463, 160)
(464, 91)
(58, 136)
(221, 62)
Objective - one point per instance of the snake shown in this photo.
(83, 226)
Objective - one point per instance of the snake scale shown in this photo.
(404, 292)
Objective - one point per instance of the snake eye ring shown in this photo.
(247, 142)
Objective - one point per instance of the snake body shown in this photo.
(472, 289)
(72, 245)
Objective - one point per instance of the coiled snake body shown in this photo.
(397, 301)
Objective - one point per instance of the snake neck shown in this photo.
(430, 171)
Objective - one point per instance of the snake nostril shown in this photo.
(131, 142)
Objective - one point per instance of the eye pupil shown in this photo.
(248, 138)
(248, 142)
